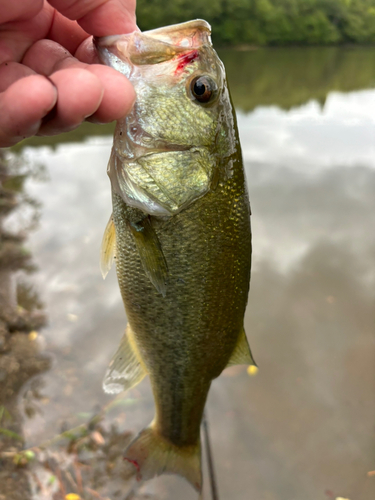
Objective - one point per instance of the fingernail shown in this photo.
(91, 119)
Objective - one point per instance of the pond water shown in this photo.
(303, 427)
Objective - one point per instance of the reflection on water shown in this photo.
(304, 426)
(288, 77)
(283, 77)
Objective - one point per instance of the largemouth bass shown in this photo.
(180, 233)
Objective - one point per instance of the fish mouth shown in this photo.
(176, 32)
(154, 46)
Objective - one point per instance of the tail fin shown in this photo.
(152, 455)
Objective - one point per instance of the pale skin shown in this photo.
(50, 77)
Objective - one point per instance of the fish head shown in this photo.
(168, 151)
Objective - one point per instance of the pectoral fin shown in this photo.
(126, 368)
(151, 253)
(242, 352)
(108, 248)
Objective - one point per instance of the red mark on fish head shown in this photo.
(185, 59)
(136, 465)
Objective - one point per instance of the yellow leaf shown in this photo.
(72, 496)
(98, 438)
(252, 370)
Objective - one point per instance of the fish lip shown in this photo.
(198, 24)
(188, 26)
(156, 45)
(103, 42)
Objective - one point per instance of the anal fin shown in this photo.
(151, 253)
(242, 353)
(126, 368)
(108, 248)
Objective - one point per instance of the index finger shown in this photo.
(100, 17)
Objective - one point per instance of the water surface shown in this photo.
(304, 426)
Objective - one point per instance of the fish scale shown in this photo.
(193, 317)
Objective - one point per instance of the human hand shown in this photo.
(50, 79)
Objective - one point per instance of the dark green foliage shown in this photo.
(269, 22)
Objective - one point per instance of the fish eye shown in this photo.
(203, 89)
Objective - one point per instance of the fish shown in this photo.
(180, 236)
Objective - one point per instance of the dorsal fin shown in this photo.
(108, 248)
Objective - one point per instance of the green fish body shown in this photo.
(180, 232)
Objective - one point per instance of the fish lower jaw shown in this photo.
(138, 152)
